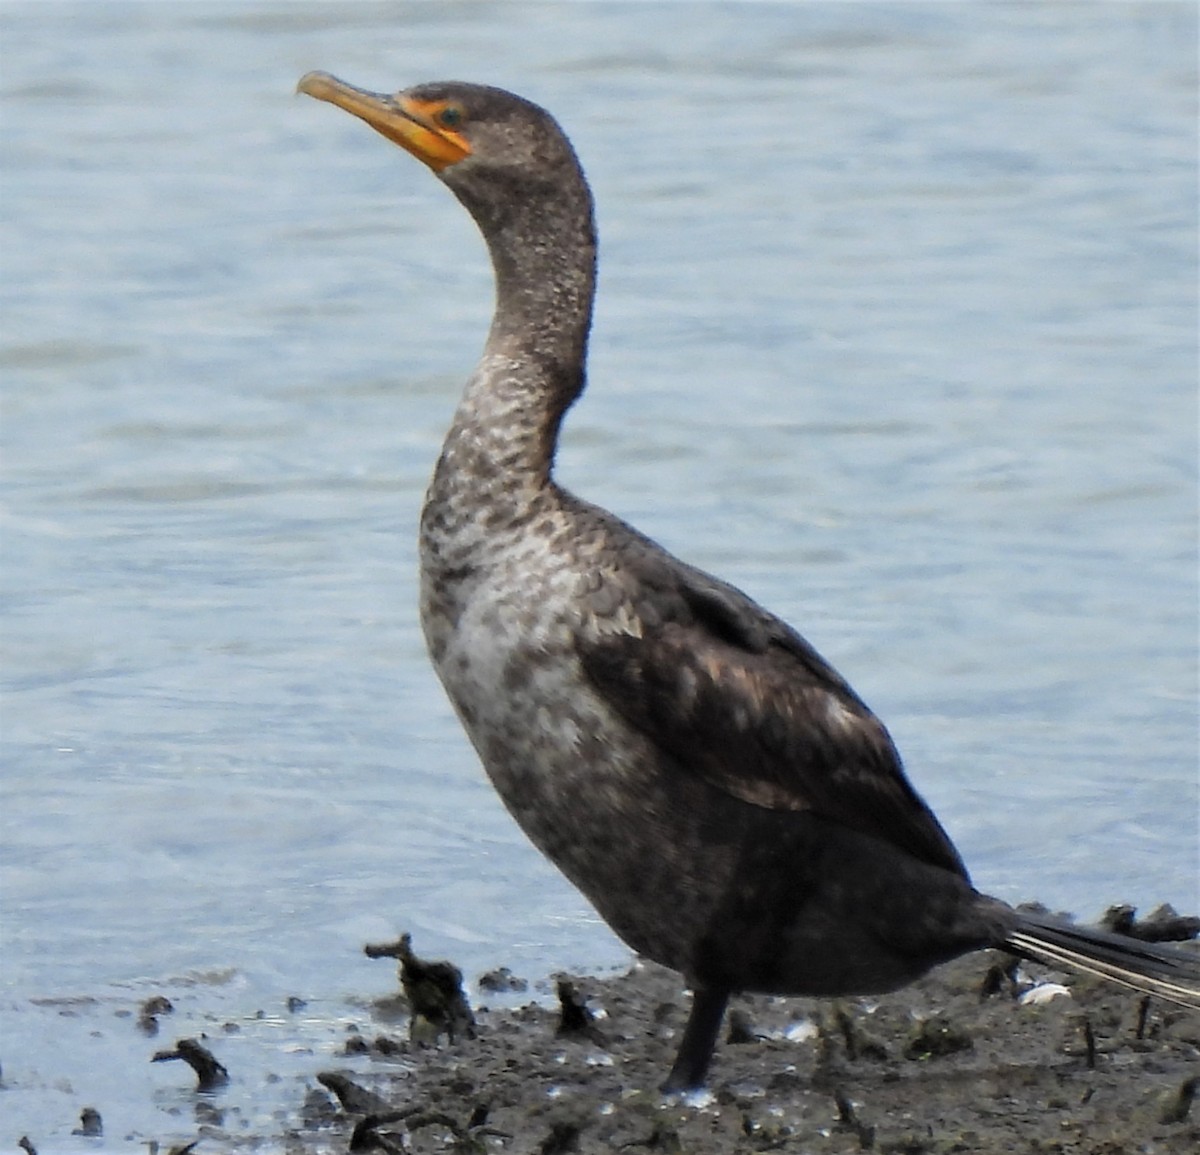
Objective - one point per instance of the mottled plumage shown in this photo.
(719, 793)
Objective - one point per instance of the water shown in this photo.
(897, 330)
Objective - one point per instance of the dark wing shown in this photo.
(732, 693)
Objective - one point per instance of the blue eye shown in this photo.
(451, 116)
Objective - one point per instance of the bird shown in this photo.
(718, 792)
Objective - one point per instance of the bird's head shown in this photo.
(472, 136)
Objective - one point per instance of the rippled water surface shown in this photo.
(896, 330)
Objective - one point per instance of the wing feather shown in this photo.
(730, 692)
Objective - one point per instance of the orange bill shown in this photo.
(412, 124)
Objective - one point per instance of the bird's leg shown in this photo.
(699, 1038)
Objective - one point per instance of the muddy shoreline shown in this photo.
(977, 1057)
(934, 1068)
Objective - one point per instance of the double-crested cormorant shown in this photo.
(725, 800)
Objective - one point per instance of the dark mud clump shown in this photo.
(434, 991)
(210, 1074)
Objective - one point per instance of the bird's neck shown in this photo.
(505, 431)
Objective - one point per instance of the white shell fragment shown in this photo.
(1042, 993)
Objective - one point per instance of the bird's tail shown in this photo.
(1171, 973)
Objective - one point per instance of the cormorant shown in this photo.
(724, 799)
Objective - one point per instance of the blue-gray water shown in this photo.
(897, 330)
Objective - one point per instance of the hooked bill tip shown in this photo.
(317, 84)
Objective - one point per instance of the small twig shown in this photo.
(1143, 1015)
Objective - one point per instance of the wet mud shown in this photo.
(977, 1057)
(980, 1056)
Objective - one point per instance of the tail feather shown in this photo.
(1171, 973)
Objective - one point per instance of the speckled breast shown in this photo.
(590, 792)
